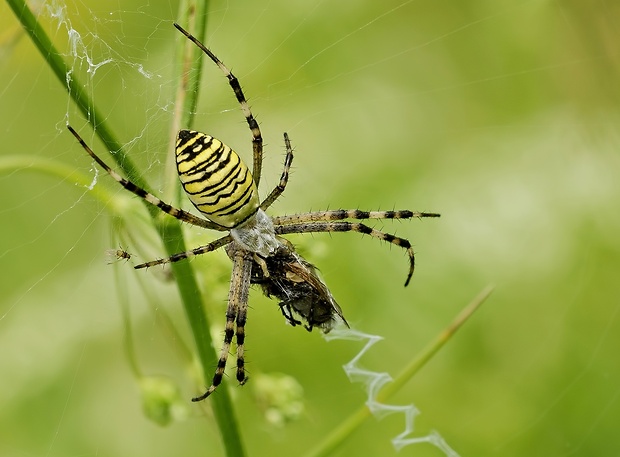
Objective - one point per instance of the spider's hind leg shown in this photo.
(257, 139)
(145, 195)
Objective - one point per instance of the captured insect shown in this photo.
(290, 278)
(222, 188)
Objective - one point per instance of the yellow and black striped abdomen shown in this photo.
(217, 182)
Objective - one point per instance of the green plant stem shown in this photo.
(55, 169)
(340, 434)
(128, 340)
(169, 229)
(78, 94)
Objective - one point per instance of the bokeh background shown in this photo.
(501, 115)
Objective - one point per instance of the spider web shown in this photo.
(373, 382)
(502, 116)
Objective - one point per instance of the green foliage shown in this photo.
(162, 401)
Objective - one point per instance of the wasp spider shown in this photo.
(222, 188)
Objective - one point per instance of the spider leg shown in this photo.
(242, 289)
(235, 315)
(277, 191)
(343, 226)
(340, 214)
(257, 139)
(214, 245)
(229, 331)
(152, 199)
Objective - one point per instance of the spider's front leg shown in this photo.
(236, 313)
(239, 291)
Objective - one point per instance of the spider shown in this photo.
(114, 255)
(221, 187)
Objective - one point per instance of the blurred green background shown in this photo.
(501, 115)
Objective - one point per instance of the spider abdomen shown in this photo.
(215, 179)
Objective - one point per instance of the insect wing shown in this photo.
(306, 272)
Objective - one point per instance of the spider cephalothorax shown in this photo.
(225, 192)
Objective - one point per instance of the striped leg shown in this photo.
(312, 227)
(214, 245)
(257, 139)
(152, 199)
(240, 287)
(277, 191)
(246, 268)
(235, 315)
(231, 314)
(340, 214)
